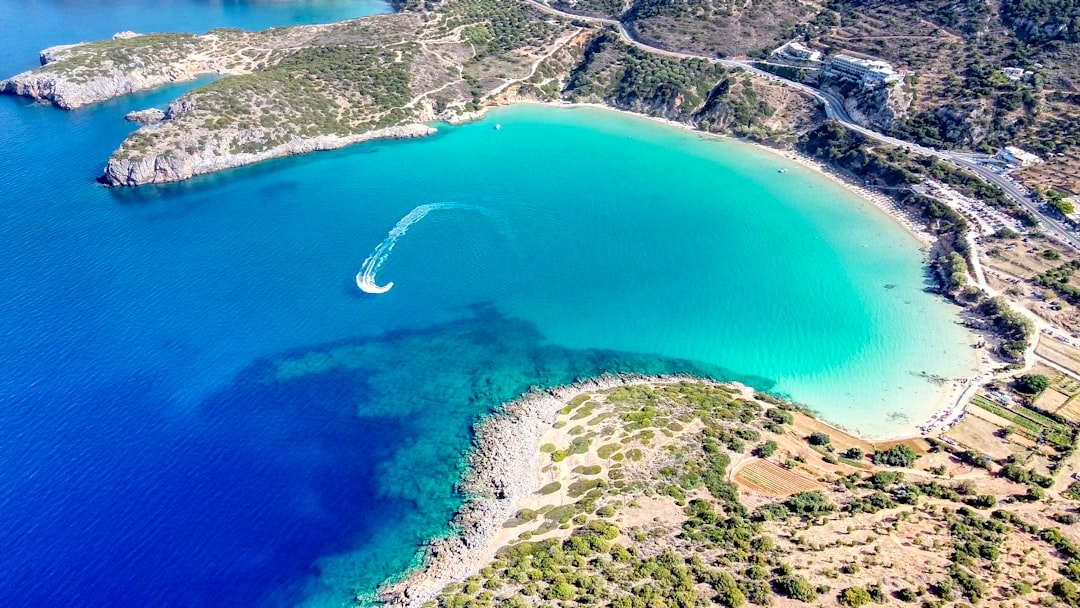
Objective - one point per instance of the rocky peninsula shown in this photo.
(667, 491)
(504, 470)
(294, 90)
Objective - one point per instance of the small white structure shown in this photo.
(1015, 74)
(869, 72)
(1017, 157)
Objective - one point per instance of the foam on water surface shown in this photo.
(365, 279)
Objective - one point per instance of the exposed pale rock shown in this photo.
(179, 107)
(68, 94)
(56, 53)
(178, 164)
(146, 117)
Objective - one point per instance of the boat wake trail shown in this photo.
(365, 279)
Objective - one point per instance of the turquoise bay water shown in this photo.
(202, 409)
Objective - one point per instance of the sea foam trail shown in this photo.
(365, 279)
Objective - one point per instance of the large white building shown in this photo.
(866, 71)
(1017, 157)
(796, 50)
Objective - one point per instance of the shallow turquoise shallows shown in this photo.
(620, 233)
(201, 408)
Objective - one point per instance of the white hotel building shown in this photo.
(869, 72)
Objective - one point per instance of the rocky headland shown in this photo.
(666, 491)
(503, 471)
(300, 89)
(76, 75)
(133, 171)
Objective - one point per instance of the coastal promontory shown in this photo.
(293, 90)
(667, 491)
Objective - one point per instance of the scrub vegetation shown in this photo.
(655, 509)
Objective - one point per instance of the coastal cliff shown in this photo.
(325, 87)
(879, 107)
(77, 75)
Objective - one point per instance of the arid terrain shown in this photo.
(677, 492)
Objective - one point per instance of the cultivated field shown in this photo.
(1051, 400)
(1060, 354)
(981, 434)
(765, 477)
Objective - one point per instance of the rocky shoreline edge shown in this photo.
(502, 470)
(68, 92)
(174, 168)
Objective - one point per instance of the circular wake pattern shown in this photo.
(365, 279)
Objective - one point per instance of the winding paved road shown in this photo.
(834, 108)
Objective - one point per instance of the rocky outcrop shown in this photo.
(503, 470)
(75, 75)
(70, 92)
(292, 90)
(56, 53)
(146, 117)
(178, 164)
(965, 124)
(1055, 27)
(179, 107)
(876, 107)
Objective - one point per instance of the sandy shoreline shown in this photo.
(953, 388)
(878, 200)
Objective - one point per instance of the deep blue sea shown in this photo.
(199, 407)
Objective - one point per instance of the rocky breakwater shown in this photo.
(503, 470)
(185, 160)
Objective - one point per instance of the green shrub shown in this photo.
(906, 594)
(766, 449)
(1032, 384)
(561, 590)
(779, 416)
(896, 456)
(795, 587)
(877, 593)
(854, 596)
(809, 504)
